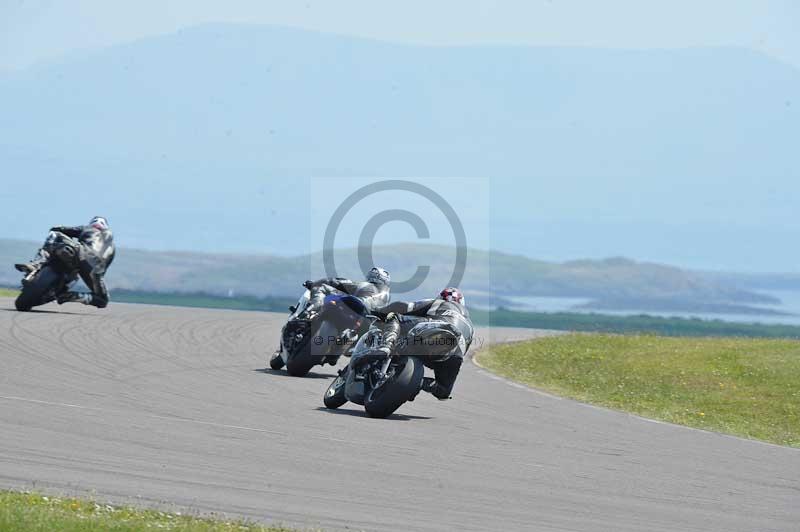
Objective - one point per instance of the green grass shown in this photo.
(32, 512)
(5, 292)
(746, 387)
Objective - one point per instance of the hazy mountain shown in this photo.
(752, 281)
(206, 139)
(490, 277)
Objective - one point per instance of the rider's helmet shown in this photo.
(99, 223)
(379, 277)
(453, 295)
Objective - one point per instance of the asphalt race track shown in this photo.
(171, 407)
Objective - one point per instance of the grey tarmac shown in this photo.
(172, 408)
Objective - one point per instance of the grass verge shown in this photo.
(5, 292)
(31, 512)
(745, 387)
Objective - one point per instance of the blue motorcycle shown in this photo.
(317, 336)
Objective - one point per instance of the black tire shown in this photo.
(405, 385)
(300, 364)
(334, 396)
(35, 292)
(300, 361)
(276, 361)
(310, 353)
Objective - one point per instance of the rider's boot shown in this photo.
(29, 267)
(77, 297)
(434, 388)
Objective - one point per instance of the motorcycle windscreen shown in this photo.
(302, 303)
(355, 387)
(364, 346)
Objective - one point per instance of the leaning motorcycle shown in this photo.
(316, 336)
(381, 385)
(52, 276)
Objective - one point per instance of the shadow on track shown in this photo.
(39, 311)
(361, 413)
(282, 373)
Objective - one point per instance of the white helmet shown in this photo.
(379, 277)
(99, 223)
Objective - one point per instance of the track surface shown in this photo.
(171, 407)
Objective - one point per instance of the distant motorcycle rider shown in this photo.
(375, 292)
(406, 323)
(90, 247)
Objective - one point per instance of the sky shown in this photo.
(33, 31)
(621, 216)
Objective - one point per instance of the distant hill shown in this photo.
(491, 278)
(756, 281)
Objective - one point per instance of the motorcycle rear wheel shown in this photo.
(405, 385)
(312, 352)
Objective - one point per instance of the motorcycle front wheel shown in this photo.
(276, 361)
(334, 396)
(39, 290)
